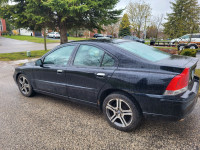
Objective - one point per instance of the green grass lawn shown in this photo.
(30, 39)
(39, 40)
(166, 47)
(21, 55)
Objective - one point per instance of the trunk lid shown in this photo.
(177, 64)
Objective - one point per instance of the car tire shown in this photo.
(121, 112)
(181, 47)
(25, 86)
(193, 46)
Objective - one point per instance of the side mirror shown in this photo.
(39, 63)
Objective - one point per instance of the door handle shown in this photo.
(59, 71)
(100, 74)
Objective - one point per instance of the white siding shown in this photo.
(25, 32)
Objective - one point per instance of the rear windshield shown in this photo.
(144, 51)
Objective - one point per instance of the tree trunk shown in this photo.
(45, 40)
(63, 33)
(76, 32)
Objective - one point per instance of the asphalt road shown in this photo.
(47, 123)
(11, 45)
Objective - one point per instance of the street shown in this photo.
(10, 45)
(44, 122)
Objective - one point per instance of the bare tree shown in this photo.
(112, 29)
(139, 13)
(158, 23)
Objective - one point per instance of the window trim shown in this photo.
(105, 52)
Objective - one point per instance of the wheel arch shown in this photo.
(107, 92)
(17, 75)
(193, 44)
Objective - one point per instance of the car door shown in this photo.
(89, 72)
(51, 76)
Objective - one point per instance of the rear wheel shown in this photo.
(193, 46)
(121, 113)
(25, 86)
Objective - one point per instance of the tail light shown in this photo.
(179, 83)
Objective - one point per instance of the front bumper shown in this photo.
(173, 107)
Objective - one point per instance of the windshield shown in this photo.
(185, 37)
(144, 51)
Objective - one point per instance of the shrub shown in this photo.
(189, 52)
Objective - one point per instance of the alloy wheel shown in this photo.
(119, 112)
(24, 85)
(192, 47)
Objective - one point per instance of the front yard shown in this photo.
(38, 39)
(21, 55)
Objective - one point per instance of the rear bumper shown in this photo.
(173, 107)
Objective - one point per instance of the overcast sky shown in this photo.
(158, 6)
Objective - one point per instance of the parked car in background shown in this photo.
(188, 38)
(134, 38)
(125, 79)
(110, 36)
(191, 41)
(98, 35)
(53, 35)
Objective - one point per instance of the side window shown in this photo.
(195, 36)
(88, 56)
(59, 57)
(108, 61)
(187, 37)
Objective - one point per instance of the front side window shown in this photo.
(59, 57)
(143, 51)
(88, 56)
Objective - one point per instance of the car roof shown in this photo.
(108, 41)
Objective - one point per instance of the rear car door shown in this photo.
(89, 72)
(51, 76)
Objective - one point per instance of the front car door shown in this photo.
(51, 76)
(88, 73)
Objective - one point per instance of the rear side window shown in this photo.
(108, 61)
(195, 36)
(88, 56)
(60, 56)
(144, 51)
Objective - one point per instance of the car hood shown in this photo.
(175, 40)
(32, 63)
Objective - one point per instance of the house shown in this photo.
(2, 26)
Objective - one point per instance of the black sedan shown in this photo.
(134, 38)
(98, 35)
(125, 79)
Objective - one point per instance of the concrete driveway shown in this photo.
(10, 45)
(47, 123)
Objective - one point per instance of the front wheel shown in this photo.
(181, 47)
(121, 113)
(25, 86)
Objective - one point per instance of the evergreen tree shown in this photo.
(184, 19)
(67, 14)
(124, 28)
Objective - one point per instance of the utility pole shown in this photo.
(145, 31)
